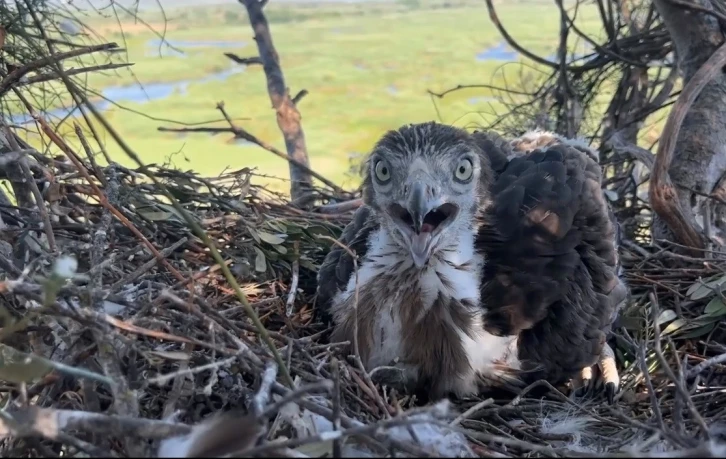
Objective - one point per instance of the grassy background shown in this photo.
(367, 67)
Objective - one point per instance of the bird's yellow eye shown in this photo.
(383, 172)
(464, 170)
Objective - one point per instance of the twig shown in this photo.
(15, 76)
(147, 266)
(468, 413)
(290, 303)
(706, 364)
(190, 221)
(39, 202)
(246, 135)
(341, 207)
(664, 364)
(263, 394)
(255, 60)
(163, 379)
(61, 367)
(335, 370)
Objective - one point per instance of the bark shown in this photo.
(288, 116)
(698, 160)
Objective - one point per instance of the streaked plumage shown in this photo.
(480, 262)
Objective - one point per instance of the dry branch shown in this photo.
(663, 195)
(288, 116)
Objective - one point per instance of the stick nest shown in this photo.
(166, 340)
(140, 335)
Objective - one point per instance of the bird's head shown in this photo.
(426, 182)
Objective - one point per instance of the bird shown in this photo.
(553, 274)
(476, 262)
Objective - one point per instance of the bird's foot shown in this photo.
(602, 377)
(398, 377)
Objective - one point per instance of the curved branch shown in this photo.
(497, 23)
(460, 87)
(662, 193)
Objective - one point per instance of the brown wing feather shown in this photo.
(550, 274)
(337, 268)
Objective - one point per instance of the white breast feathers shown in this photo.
(425, 321)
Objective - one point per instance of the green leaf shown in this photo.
(715, 307)
(693, 287)
(314, 230)
(666, 315)
(293, 229)
(307, 264)
(674, 326)
(277, 226)
(281, 248)
(255, 236)
(698, 332)
(156, 216)
(702, 290)
(270, 238)
(17, 367)
(175, 212)
(260, 262)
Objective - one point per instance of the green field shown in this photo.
(367, 68)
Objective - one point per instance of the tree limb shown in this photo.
(662, 192)
(288, 117)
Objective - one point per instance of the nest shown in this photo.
(136, 305)
(120, 325)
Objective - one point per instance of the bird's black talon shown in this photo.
(610, 392)
(392, 377)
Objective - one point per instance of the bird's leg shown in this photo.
(607, 375)
(609, 372)
(581, 383)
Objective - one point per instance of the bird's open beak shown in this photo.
(422, 219)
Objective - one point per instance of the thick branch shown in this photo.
(663, 195)
(288, 116)
(695, 127)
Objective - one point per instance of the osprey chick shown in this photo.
(418, 275)
(438, 203)
(551, 240)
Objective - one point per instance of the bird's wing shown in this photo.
(337, 268)
(551, 257)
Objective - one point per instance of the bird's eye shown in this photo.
(383, 172)
(464, 170)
